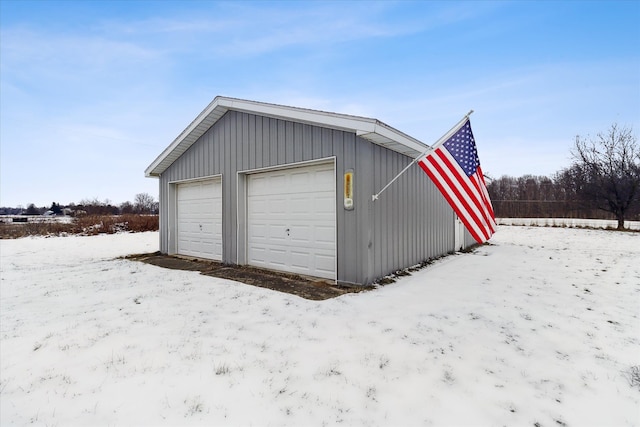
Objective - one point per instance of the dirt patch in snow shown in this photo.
(302, 286)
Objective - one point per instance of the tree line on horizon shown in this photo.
(533, 196)
(602, 182)
(143, 203)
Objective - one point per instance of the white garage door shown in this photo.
(291, 220)
(199, 219)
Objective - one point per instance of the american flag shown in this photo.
(454, 167)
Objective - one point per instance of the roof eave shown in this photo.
(204, 120)
(368, 128)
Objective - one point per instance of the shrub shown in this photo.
(138, 223)
(109, 224)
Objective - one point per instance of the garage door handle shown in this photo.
(288, 230)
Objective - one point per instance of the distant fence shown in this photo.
(568, 222)
(552, 209)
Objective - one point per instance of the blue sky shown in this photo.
(91, 92)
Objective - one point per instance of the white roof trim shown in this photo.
(370, 129)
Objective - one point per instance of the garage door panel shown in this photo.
(325, 263)
(300, 260)
(259, 255)
(199, 219)
(324, 202)
(325, 235)
(208, 229)
(300, 233)
(259, 231)
(261, 205)
(325, 177)
(276, 256)
(277, 234)
(277, 205)
(268, 185)
(300, 205)
(297, 208)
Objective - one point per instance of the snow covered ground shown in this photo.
(539, 328)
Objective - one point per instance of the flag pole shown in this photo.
(443, 138)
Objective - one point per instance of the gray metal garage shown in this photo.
(290, 189)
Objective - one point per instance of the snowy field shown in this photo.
(540, 328)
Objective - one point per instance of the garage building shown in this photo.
(290, 189)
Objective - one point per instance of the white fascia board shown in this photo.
(314, 117)
(401, 138)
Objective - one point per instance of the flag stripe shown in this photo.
(487, 200)
(469, 193)
(459, 200)
(435, 177)
(473, 211)
(482, 202)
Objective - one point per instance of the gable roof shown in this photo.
(367, 128)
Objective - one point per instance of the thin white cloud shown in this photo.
(257, 28)
(22, 46)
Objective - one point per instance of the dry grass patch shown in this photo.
(89, 225)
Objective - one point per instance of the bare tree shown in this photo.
(606, 171)
(126, 208)
(144, 203)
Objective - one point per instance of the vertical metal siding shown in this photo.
(349, 249)
(468, 241)
(364, 175)
(410, 222)
(297, 147)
